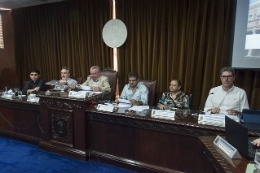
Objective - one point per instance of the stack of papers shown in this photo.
(124, 103)
(139, 108)
(106, 107)
(85, 88)
(52, 82)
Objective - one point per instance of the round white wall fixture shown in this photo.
(114, 33)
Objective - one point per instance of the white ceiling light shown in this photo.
(12, 4)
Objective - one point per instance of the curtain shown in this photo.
(69, 33)
(189, 40)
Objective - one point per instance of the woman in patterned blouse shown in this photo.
(175, 97)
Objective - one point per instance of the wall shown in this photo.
(7, 59)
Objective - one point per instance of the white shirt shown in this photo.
(235, 99)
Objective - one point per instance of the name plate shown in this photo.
(33, 99)
(163, 114)
(105, 108)
(8, 95)
(212, 118)
(78, 94)
(227, 148)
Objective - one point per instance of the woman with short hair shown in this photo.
(175, 98)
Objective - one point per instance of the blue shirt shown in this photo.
(140, 94)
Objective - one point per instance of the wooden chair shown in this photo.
(190, 99)
(151, 86)
(112, 79)
(78, 79)
(25, 83)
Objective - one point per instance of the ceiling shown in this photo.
(12, 4)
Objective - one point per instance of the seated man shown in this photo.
(135, 92)
(226, 98)
(96, 81)
(66, 80)
(35, 84)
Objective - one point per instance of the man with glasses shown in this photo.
(226, 98)
(96, 81)
(135, 92)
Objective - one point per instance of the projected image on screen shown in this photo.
(253, 30)
(246, 48)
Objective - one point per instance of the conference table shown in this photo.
(219, 159)
(129, 139)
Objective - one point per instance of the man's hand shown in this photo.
(162, 106)
(117, 101)
(256, 142)
(31, 90)
(95, 88)
(133, 101)
(63, 81)
(215, 110)
(232, 111)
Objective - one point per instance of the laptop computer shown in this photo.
(237, 136)
(250, 116)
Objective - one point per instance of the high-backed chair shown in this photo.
(112, 79)
(25, 83)
(190, 99)
(78, 79)
(151, 86)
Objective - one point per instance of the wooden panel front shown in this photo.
(63, 121)
(153, 145)
(19, 120)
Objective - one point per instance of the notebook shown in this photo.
(237, 136)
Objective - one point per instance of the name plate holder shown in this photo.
(105, 108)
(165, 114)
(78, 94)
(227, 148)
(33, 99)
(8, 95)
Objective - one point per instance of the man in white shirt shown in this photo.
(226, 98)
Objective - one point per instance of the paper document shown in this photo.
(52, 82)
(139, 108)
(124, 105)
(85, 88)
(124, 101)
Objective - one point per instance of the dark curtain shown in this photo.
(190, 40)
(69, 33)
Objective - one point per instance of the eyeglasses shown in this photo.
(93, 74)
(227, 77)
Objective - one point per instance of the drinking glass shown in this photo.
(257, 158)
(20, 94)
(62, 88)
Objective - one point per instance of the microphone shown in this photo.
(211, 93)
